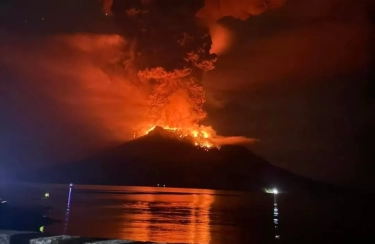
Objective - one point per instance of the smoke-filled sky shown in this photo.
(295, 77)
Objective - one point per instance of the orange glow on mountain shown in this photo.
(175, 103)
(200, 136)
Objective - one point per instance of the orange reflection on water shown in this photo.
(165, 215)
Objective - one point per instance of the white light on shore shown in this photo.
(271, 190)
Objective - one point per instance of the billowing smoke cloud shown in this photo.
(320, 40)
(107, 6)
(300, 74)
(234, 140)
(222, 38)
(214, 10)
(174, 61)
(90, 89)
(176, 99)
(72, 90)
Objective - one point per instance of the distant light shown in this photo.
(42, 18)
(106, 14)
(71, 184)
(164, 185)
(41, 229)
(3, 201)
(158, 185)
(46, 195)
(271, 190)
(277, 236)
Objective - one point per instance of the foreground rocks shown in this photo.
(24, 237)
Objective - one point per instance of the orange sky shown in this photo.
(295, 78)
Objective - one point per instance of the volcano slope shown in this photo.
(161, 158)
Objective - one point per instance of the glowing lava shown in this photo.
(175, 103)
(201, 136)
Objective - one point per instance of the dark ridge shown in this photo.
(161, 158)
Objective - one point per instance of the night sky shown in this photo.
(297, 78)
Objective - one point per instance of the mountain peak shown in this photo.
(160, 131)
(162, 156)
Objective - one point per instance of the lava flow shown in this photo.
(166, 55)
(176, 104)
(202, 136)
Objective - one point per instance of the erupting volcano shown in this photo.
(169, 62)
(176, 105)
(146, 82)
(202, 136)
(169, 48)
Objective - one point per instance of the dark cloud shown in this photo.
(47, 17)
(64, 96)
(323, 47)
(296, 80)
(214, 10)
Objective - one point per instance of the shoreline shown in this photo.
(23, 237)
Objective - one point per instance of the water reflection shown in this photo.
(182, 216)
(276, 217)
(198, 216)
(159, 214)
(67, 209)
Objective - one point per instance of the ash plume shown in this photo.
(67, 95)
(214, 10)
(171, 51)
(92, 89)
(107, 6)
(81, 73)
(176, 99)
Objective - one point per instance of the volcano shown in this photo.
(162, 158)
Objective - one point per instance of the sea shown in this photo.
(182, 215)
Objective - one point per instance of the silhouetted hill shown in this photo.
(161, 158)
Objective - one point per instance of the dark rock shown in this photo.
(17, 237)
(54, 239)
(24, 237)
(160, 159)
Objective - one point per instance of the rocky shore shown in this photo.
(26, 237)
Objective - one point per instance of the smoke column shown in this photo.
(214, 10)
(107, 5)
(168, 55)
(103, 88)
(172, 49)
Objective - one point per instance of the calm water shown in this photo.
(198, 216)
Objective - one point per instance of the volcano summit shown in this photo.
(162, 157)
